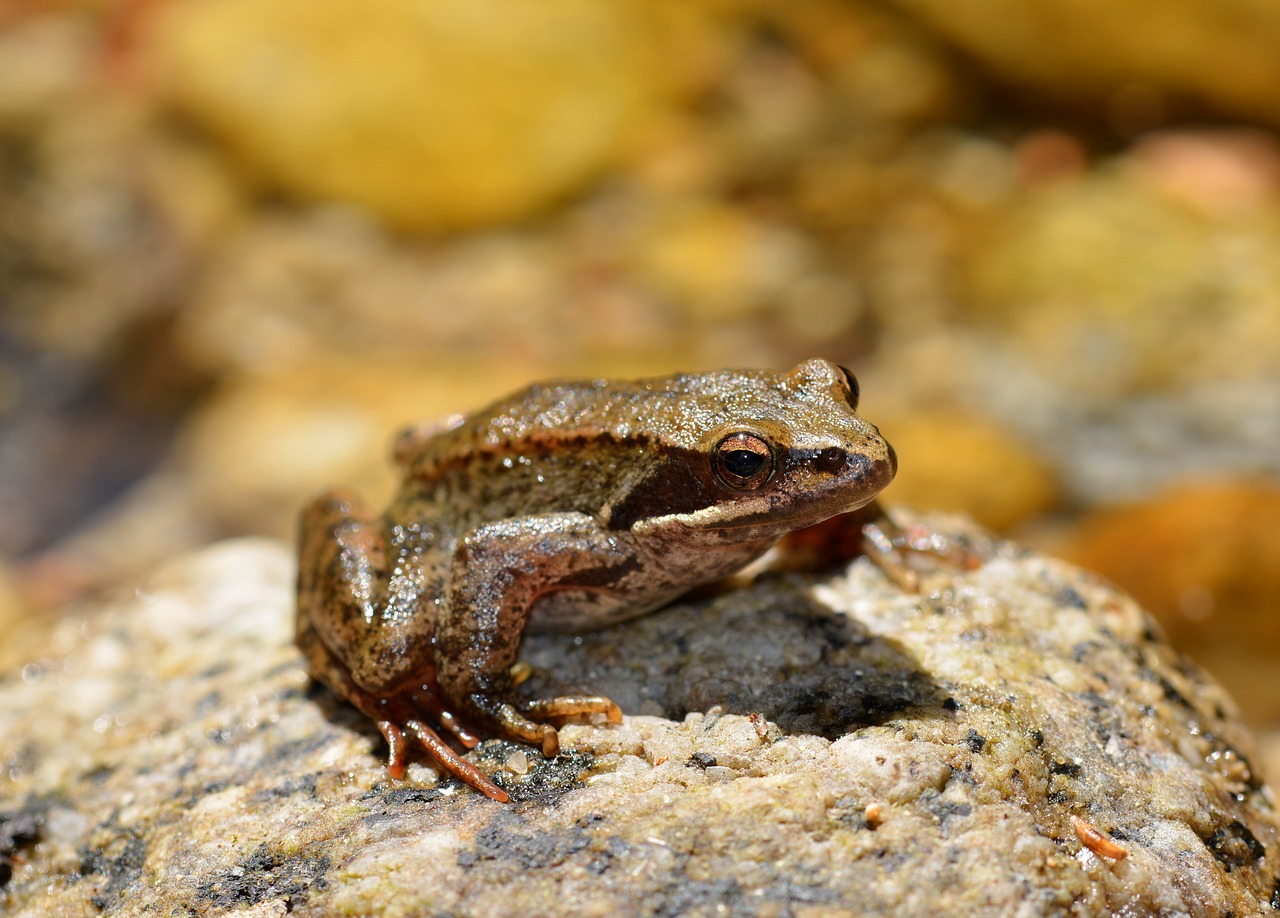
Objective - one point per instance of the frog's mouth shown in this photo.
(771, 514)
(769, 521)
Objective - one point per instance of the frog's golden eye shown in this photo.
(743, 461)
(852, 382)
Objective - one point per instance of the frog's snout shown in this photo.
(873, 473)
(877, 463)
(890, 460)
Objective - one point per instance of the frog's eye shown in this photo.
(852, 382)
(743, 461)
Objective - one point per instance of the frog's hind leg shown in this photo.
(399, 715)
(367, 652)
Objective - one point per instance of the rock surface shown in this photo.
(805, 744)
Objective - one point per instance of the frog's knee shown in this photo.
(330, 508)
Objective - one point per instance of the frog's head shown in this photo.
(752, 455)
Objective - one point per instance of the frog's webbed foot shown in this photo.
(904, 552)
(410, 715)
(891, 548)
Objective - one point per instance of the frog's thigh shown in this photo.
(341, 556)
(342, 591)
(498, 571)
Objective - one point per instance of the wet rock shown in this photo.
(821, 741)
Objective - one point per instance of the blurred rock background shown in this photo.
(243, 241)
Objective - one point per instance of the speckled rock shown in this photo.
(849, 749)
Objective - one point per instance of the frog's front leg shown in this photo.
(872, 531)
(499, 571)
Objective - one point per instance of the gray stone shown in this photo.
(803, 744)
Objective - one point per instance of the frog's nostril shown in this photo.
(831, 459)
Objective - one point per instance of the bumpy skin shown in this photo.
(569, 505)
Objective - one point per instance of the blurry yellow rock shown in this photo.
(430, 114)
(1110, 281)
(266, 443)
(717, 260)
(1131, 55)
(958, 461)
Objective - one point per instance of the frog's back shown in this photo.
(581, 446)
(553, 447)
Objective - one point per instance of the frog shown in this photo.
(569, 505)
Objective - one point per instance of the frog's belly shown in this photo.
(653, 581)
(585, 610)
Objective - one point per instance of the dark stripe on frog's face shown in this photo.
(681, 482)
(808, 486)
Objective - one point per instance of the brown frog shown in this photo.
(569, 505)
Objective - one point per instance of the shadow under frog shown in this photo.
(772, 650)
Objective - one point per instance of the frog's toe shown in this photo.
(394, 736)
(574, 706)
(528, 722)
(430, 704)
(514, 725)
(894, 548)
(440, 752)
(400, 718)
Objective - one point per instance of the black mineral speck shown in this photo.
(1171, 692)
(18, 830)
(1069, 598)
(264, 875)
(119, 861)
(683, 896)
(975, 741)
(942, 809)
(702, 760)
(1234, 845)
(1070, 769)
(98, 776)
(400, 796)
(303, 785)
(510, 838)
